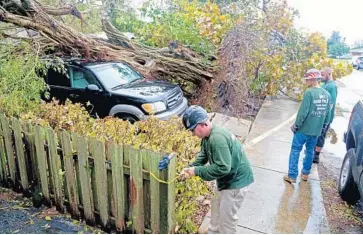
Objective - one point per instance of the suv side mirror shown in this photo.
(93, 87)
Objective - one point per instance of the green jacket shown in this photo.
(314, 112)
(228, 163)
(331, 87)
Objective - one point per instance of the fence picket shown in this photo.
(71, 181)
(117, 158)
(171, 195)
(8, 147)
(155, 192)
(20, 154)
(31, 159)
(2, 161)
(4, 169)
(97, 150)
(167, 191)
(55, 168)
(42, 162)
(136, 190)
(110, 180)
(84, 177)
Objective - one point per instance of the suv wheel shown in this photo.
(347, 187)
(127, 117)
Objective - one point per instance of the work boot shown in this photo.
(316, 159)
(304, 177)
(288, 179)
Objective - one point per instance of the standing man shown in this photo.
(228, 165)
(331, 87)
(312, 119)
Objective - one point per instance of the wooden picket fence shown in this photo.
(104, 183)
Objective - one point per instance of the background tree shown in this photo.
(358, 44)
(337, 45)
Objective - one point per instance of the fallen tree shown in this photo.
(176, 63)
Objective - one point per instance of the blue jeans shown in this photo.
(297, 144)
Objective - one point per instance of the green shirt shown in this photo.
(314, 112)
(331, 87)
(228, 163)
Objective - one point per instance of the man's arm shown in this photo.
(328, 112)
(303, 110)
(333, 92)
(221, 165)
(201, 158)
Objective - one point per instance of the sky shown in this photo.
(326, 16)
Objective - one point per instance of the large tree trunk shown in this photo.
(175, 64)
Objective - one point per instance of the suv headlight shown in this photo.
(156, 107)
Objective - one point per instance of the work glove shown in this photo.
(325, 129)
(293, 128)
(163, 164)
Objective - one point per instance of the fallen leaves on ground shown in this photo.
(48, 213)
(343, 218)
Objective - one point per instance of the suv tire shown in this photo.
(347, 188)
(127, 117)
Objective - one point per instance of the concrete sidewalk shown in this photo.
(273, 206)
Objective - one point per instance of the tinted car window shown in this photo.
(82, 78)
(57, 78)
(115, 74)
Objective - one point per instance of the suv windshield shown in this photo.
(115, 75)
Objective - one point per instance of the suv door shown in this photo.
(59, 84)
(93, 98)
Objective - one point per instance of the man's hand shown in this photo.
(293, 128)
(189, 171)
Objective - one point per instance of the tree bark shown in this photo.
(173, 64)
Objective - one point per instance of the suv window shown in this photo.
(57, 78)
(82, 78)
(113, 75)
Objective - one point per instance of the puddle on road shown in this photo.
(341, 111)
(332, 135)
(334, 143)
(295, 208)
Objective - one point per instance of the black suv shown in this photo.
(351, 174)
(115, 89)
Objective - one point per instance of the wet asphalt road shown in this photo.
(18, 216)
(350, 90)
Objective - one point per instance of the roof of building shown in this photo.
(358, 50)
